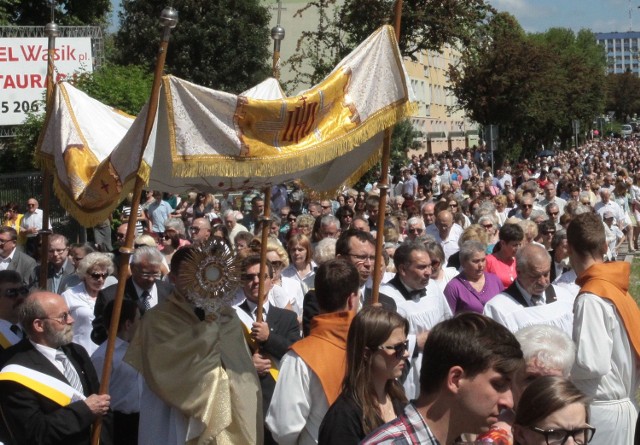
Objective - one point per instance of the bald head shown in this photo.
(444, 222)
(533, 265)
(46, 319)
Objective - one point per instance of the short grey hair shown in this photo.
(175, 224)
(549, 346)
(415, 220)
(470, 248)
(558, 238)
(327, 220)
(325, 250)
(535, 214)
(148, 253)
(95, 259)
(230, 212)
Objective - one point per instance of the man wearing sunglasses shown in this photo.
(48, 385)
(12, 295)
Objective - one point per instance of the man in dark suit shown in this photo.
(358, 247)
(144, 286)
(269, 339)
(13, 259)
(12, 295)
(32, 415)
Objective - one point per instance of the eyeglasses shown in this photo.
(487, 226)
(292, 219)
(194, 229)
(415, 230)
(16, 292)
(166, 237)
(149, 275)
(277, 264)
(252, 276)
(30, 205)
(62, 318)
(347, 216)
(553, 213)
(453, 204)
(326, 207)
(527, 206)
(549, 232)
(120, 235)
(5, 241)
(560, 437)
(363, 258)
(399, 349)
(98, 276)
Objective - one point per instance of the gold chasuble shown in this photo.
(202, 368)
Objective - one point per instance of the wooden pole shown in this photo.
(383, 184)
(169, 19)
(52, 31)
(277, 33)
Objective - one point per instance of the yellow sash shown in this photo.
(253, 345)
(4, 341)
(45, 385)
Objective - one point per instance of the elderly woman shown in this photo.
(490, 223)
(473, 287)
(93, 269)
(305, 224)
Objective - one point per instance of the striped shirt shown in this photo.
(408, 429)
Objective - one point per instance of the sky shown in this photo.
(540, 15)
(596, 15)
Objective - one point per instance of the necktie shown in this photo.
(146, 300)
(70, 372)
(537, 300)
(16, 330)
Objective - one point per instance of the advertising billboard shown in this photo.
(23, 72)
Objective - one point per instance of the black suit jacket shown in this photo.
(100, 332)
(310, 307)
(34, 419)
(284, 331)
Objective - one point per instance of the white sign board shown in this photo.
(23, 71)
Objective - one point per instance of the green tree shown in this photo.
(126, 88)
(532, 86)
(67, 12)
(623, 94)
(217, 44)
(425, 25)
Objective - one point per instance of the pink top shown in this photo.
(505, 271)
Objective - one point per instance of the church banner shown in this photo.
(214, 141)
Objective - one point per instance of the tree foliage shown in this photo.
(425, 24)
(217, 44)
(126, 88)
(623, 95)
(67, 12)
(531, 86)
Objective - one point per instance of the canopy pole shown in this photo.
(383, 184)
(266, 225)
(277, 33)
(169, 20)
(52, 31)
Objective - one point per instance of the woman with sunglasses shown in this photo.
(371, 394)
(289, 288)
(552, 411)
(170, 242)
(93, 269)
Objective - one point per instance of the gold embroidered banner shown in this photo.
(214, 141)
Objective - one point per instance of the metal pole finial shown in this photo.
(169, 17)
(51, 30)
(277, 32)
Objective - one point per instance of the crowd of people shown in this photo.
(503, 314)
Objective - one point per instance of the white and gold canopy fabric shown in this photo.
(214, 141)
